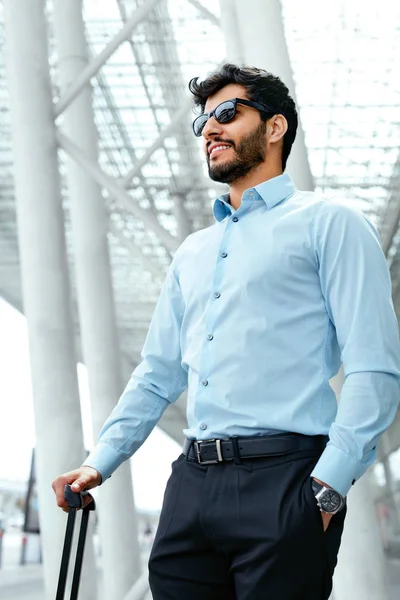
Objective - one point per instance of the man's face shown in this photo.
(245, 137)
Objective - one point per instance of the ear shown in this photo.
(277, 126)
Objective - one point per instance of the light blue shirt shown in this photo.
(255, 316)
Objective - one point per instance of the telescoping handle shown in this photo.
(75, 502)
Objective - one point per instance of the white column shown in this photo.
(89, 220)
(44, 275)
(182, 220)
(361, 566)
(360, 571)
(235, 52)
(255, 37)
(391, 484)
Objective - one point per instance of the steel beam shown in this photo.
(263, 44)
(158, 143)
(392, 229)
(137, 17)
(205, 12)
(166, 59)
(152, 105)
(135, 250)
(113, 108)
(389, 225)
(118, 192)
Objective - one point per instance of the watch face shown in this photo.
(330, 501)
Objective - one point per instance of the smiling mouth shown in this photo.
(217, 150)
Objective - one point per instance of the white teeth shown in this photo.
(218, 148)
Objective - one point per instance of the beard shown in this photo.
(249, 154)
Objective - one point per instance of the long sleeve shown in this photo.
(355, 283)
(155, 383)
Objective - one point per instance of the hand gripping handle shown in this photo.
(75, 502)
(75, 499)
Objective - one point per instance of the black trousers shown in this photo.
(249, 531)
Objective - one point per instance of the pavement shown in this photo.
(22, 583)
(26, 582)
(393, 571)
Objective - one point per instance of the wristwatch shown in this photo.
(328, 499)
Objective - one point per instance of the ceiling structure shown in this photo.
(345, 59)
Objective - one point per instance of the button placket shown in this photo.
(212, 315)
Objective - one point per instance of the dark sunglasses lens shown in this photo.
(198, 124)
(225, 112)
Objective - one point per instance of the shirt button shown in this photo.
(217, 295)
(235, 219)
(224, 255)
(204, 382)
(250, 193)
(210, 336)
(203, 426)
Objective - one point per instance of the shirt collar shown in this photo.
(272, 192)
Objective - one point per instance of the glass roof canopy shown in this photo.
(345, 59)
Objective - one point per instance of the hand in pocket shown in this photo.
(326, 518)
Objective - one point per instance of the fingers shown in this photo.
(326, 517)
(79, 479)
(81, 483)
(88, 479)
(58, 486)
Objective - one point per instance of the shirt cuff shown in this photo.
(104, 459)
(338, 469)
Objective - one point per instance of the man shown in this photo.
(255, 316)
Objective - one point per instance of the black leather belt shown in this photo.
(207, 452)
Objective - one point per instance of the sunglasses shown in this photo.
(225, 112)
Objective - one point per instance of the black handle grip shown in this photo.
(75, 499)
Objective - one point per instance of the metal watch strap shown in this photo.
(317, 487)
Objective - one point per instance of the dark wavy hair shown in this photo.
(261, 86)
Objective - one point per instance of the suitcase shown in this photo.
(75, 502)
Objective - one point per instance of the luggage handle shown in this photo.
(75, 499)
(75, 502)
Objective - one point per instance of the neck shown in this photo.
(258, 175)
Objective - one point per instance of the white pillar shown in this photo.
(255, 37)
(360, 571)
(235, 52)
(44, 275)
(391, 483)
(89, 220)
(182, 221)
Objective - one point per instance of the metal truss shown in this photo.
(150, 166)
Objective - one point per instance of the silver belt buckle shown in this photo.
(211, 461)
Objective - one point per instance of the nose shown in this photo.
(211, 128)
